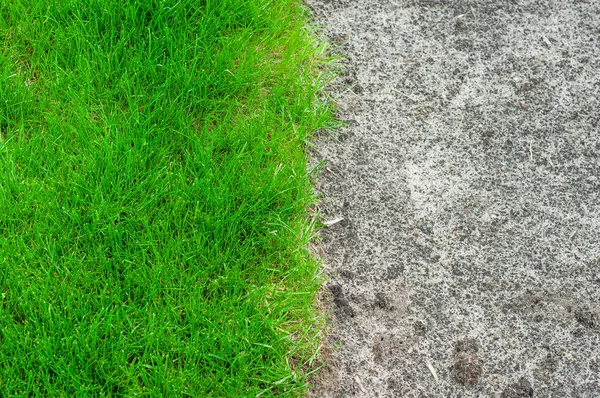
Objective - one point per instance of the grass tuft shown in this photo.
(154, 196)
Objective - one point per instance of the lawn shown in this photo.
(155, 203)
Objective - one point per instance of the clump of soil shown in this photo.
(466, 368)
(521, 389)
(343, 308)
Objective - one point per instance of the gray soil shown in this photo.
(467, 263)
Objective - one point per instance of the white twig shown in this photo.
(531, 151)
(329, 223)
(362, 388)
(432, 370)
(548, 42)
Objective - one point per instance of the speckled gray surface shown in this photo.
(468, 178)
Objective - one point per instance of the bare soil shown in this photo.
(467, 263)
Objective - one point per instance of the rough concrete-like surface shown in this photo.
(468, 261)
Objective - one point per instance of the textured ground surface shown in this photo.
(468, 261)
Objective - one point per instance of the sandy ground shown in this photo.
(468, 260)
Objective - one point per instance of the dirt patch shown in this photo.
(469, 182)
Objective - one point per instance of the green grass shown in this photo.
(154, 198)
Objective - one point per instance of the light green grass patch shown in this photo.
(154, 196)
